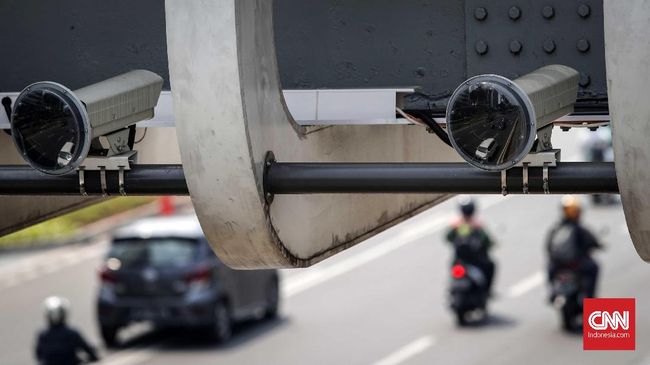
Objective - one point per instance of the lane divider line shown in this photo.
(526, 285)
(410, 350)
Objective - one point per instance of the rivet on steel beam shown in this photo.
(548, 12)
(549, 46)
(514, 12)
(515, 47)
(584, 10)
(481, 47)
(583, 45)
(585, 79)
(480, 13)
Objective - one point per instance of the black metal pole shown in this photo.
(141, 180)
(326, 178)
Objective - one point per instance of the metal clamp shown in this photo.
(82, 182)
(504, 183)
(525, 179)
(102, 177)
(546, 179)
(121, 181)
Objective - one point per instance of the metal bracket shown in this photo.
(82, 182)
(121, 181)
(546, 179)
(539, 159)
(112, 163)
(120, 163)
(504, 183)
(525, 178)
(102, 178)
(269, 160)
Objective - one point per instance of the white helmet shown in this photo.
(56, 310)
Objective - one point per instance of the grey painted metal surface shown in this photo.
(226, 131)
(321, 43)
(628, 72)
(516, 37)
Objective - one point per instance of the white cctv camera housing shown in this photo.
(53, 127)
(493, 121)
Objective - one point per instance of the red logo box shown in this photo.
(608, 324)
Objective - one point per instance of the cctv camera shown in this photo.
(53, 127)
(492, 121)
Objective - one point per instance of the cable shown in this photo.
(432, 125)
(143, 136)
(6, 103)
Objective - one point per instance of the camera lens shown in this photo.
(49, 127)
(491, 122)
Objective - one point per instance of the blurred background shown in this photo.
(382, 302)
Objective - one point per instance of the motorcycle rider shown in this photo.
(569, 245)
(470, 241)
(59, 344)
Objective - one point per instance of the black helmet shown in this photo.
(467, 205)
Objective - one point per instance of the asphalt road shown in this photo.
(382, 302)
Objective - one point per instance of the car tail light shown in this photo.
(201, 274)
(458, 271)
(107, 275)
(199, 280)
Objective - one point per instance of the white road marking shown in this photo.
(412, 349)
(526, 285)
(128, 357)
(318, 275)
(40, 264)
(391, 240)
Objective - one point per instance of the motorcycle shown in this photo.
(567, 296)
(468, 291)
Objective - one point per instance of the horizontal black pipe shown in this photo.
(459, 178)
(315, 178)
(142, 180)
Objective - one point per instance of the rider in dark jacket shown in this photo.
(470, 241)
(570, 245)
(60, 344)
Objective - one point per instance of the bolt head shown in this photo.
(515, 47)
(549, 46)
(548, 12)
(514, 12)
(480, 13)
(481, 47)
(583, 45)
(584, 10)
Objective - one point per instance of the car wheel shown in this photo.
(272, 299)
(222, 325)
(461, 321)
(109, 335)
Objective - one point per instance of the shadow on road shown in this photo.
(490, 321)
(194, 340)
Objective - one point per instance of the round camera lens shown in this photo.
(49, 128)
(490, 123)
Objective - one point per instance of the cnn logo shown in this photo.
(609, 324)
(603, 320)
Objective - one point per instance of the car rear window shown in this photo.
(159, 252)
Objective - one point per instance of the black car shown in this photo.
(162, 271)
